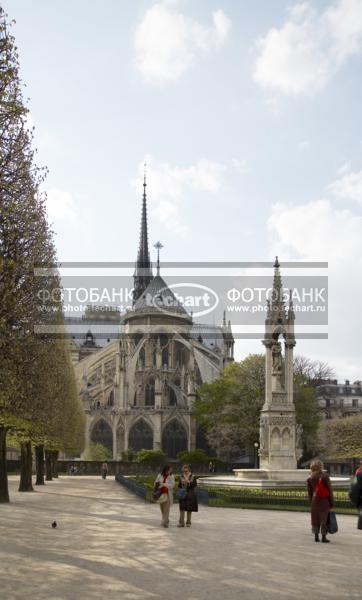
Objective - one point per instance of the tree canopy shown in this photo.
(229, 408)
(38, 397)
(342, 437)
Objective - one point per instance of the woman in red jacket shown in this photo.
(321, 499)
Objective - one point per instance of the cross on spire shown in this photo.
(158, 247)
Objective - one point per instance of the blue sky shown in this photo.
(248, 114)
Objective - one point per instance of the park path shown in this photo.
(110, 545)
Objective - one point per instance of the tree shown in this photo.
(229, 408)
(341, 437)
(39, 403)
(314, 371)
(97, 452)
(24, 242)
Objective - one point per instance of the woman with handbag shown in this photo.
(321, 499)
(163, 491)
(187, 496)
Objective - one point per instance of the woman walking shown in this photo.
(165, 482)
(321, 499)
(104, 470)
(187, 496)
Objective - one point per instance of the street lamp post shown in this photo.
(256, 447)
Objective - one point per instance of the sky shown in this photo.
(248, 115)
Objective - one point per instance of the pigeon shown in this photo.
(54, 524)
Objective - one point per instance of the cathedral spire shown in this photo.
(276, 306)
(143, 268)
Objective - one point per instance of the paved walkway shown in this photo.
(110, 545)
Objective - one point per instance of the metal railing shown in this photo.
(246, 498)
(145, 492)
(134, 486)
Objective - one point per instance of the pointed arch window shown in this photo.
(150, 393)
(101, 433)
(110, 401)
(140, 436)
(174, 438)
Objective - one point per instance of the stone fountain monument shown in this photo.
(280, 436)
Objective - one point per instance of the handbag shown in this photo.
(181, 494)
(163, 498)
(332, 525)
(156, 492)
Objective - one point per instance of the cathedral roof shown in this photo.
(158, 297)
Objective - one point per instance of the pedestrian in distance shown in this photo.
(104, 470)
(164, 485)
(187, 496)
(321, 499)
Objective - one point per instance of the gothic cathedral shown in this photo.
(138, 390)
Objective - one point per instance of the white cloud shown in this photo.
(304, 144)
(168, 185)
(333, 234)
(344, 23)
(348, 186)
(61, 205)
(317, 231)
(301, 56)
(345, 168)
(240, 165)
(167, 43)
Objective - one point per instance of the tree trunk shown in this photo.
(39, 459)
(4, 490)
(26, 467)
(48, 466)
(55, 455)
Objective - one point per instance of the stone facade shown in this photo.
(339, 399)
(138, 390)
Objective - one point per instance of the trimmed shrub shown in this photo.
(152, 456)
(194, 456)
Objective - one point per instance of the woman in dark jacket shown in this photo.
(321, 499)
(189, 503)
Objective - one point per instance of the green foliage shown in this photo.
(306, 411)
(295, 499)
(193, 457)
(152, 456)
(229, 408)
(38, 396)
(128, 455)
(97, 452)
(342, 438)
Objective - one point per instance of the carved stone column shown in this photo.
(157, 431)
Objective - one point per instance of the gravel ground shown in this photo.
(109, 544)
